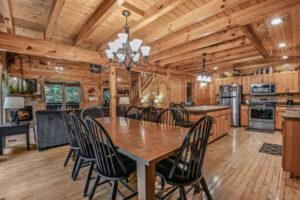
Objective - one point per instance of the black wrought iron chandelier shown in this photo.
(124, 51)
(204, 77)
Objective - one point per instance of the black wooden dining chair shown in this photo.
(92, 111)
(110, 164)
(132, 112)
(73, 143)
(183, 104)
(186, 169)
(186, 119)
(86, 156)
(170, 116)
(171, 104)
(149, 114)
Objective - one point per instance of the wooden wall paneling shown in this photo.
(7, 16)
(112, 92)
(53, 17)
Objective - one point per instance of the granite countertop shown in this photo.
(205, 109)
(292, 113)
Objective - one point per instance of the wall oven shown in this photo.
(262, 113)
(263, 89)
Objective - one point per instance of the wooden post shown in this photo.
(112, 91)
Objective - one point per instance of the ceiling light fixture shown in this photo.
(204, 77)
(124, 51)
(215, 67)
(276, 21)
(285, 57)
(282, 44)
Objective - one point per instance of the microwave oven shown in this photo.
(263, 89)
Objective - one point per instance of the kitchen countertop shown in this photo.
(205, 109)
(292, 113)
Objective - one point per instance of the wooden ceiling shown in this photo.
(233, 33)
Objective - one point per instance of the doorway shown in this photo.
(189, 93)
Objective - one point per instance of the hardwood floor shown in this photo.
(234, 169)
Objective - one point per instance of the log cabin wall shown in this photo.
(46, 68)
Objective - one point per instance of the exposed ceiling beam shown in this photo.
(197, 44)
(211, 49)
(154, 12)
(53, 16)
(133, 9)
(105, 10)
(296, 30)
(199, 14)
(247, 30)
(7, 16)
(227, 53)
(249, 15)
(43, 48)
(213, 60)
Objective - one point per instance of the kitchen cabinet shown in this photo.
(279, 117)
(246, 82)
(256, 79)
(286, 82)
(244, 115)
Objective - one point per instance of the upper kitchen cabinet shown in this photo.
(287, 82)
(256, 79)
(246, 84)
(269, 78)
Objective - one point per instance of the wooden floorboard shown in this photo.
(234, 169)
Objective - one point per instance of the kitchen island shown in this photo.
(221, 115)
(291, 141)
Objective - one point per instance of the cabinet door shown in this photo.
(228, 123)
(279, 117)
(293, 82)
(256, 79)
(223, 125)
(244, 116)
(217, 85)
(281, 82)
(269, 78)
(246, 84)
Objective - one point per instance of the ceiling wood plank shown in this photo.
(247, 30)
(296, 31)
(197, 44)
(134, 9)
(105, 10)
(53, 17)
(266, 9)
(7, 15)
(199, 14)
(154, 12)
(211, 49)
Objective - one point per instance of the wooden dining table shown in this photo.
(145, 142)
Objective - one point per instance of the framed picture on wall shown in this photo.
(21, 85)
(95, 68)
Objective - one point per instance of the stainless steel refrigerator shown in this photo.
(231, 95)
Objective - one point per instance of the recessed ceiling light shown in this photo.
(282, 44)
(276, 21)
(215, 68)
(285, 57)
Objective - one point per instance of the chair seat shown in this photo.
(164, 167)
(130, 165)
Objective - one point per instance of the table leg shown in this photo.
(146, 181)
(27, 140)
(1, 145)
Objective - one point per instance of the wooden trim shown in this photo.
(112, 91)
(105, 10)
(7, 16)
(53, 17)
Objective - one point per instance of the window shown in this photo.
(61, 96)
(188, 92)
